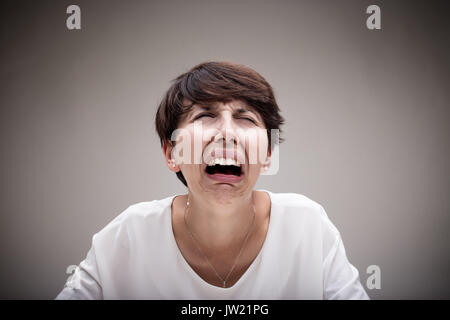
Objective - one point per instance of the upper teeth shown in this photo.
(224, 162)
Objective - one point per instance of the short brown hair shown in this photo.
(211, 82)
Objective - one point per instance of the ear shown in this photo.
(167, 148)
(266, 164)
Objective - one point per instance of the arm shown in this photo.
(341, 278)
(84, 284)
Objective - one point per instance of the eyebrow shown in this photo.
(239, 110)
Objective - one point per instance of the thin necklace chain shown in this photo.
(224, 281)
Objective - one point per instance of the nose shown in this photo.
(226, 134)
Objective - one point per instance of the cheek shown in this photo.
(263, 145)
(189, 146)
(256, 146)
(197, 146)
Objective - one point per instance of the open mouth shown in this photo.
(225, 166)
(224, 169)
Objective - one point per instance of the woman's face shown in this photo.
(221, 149)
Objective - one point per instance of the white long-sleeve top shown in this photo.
(136, 257)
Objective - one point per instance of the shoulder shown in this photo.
(135, 219)
(305, 221)
(297, 204)
(141, 211)
(296, 200)
(302, 212)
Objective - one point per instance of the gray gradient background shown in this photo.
(367, 132)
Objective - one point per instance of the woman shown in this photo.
(223, 239)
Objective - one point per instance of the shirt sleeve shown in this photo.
(84, 284)
(341, 278)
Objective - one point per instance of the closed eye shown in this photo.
(211, 116)
(203, 115)
(249, 119)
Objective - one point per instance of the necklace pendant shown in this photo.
(224, 285)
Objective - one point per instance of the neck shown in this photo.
(220, 225)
